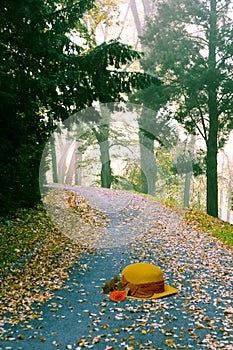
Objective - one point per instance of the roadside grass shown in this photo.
(35, 260)
(218, 228)
(28, 229)
(36, 257)
(22, 232)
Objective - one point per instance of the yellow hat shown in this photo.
(145, 281)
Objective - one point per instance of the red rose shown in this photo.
(118, 295)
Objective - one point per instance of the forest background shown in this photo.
(47, 75)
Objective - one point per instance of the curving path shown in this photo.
(80, 316)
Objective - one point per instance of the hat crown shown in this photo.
(143, 273)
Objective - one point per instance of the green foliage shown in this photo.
(189, 45)
(218, 228)
(122, 183)
(113, 284)
(167, 179)
(44, 78)
(105, 66)
(38, 79)
(133, 173)
(185, 162)
(177, 47)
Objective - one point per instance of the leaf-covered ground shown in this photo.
(72, 313)
(23, 231)
(36, 256)
(218, 228)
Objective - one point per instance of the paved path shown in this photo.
(80, 316)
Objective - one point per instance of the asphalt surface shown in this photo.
(140, 230)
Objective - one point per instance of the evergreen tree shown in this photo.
(46, 77)
(38, 85)
(189, 44)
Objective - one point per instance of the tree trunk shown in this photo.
(212, 143)
(187, 184)
(188, 177)
(212, 177)
(54, 160)
(148, 165)
(78, 170)
(106, 171)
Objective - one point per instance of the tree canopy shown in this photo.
(45, 77)
(189, 44)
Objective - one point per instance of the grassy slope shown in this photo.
(217, 227)
(27, 228)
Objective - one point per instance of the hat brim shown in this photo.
(168, 290)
